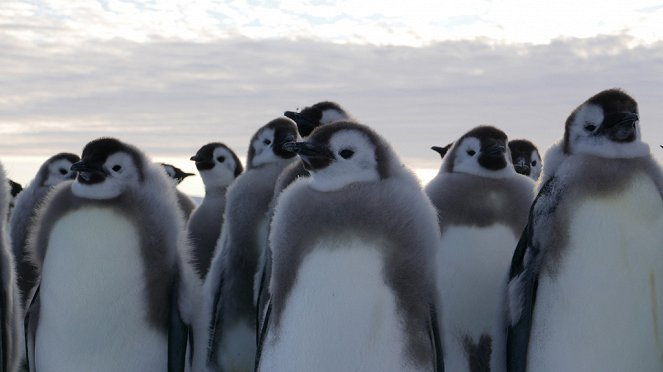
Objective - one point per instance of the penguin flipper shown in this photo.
(434, 334)
(521, 298)
(215, 325)
(263, 332)
(30, 328)
(178, 334)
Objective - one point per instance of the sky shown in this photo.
(171, 76)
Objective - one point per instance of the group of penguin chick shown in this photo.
(338, 260)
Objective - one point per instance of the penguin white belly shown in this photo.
(472, 266)
(340, 315)
(603, 308)
(93, 300)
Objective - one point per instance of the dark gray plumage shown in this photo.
(53, 171)
(218, 166)
(11, 335)
(373, 199)
(228, 290)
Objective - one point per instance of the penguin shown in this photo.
(218, 166)
(309, 118)
(526, 158)
(52, 172)
(107, 247)
(229, 307)
(11, 335)
(586, 280)
(482, 204)
(183, 200)
(352, 285)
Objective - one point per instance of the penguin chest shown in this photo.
(606, 289)
(93, 313)
(339, 316)
(471, 268)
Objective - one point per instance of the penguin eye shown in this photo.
(346, 153)
(116, 168)
(267, 142)
(221, 159)
(534, 163)
(471, 152)
(62, 171)
(589, 127)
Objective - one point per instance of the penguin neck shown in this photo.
(216, 191)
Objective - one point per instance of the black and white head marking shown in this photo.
(342, 153)
(175, 173)
(482, 151)
(606, 125)
(267, 143)
(107, 168)
(321, 113)
(526, 158)
(57, 169)
(217, 164)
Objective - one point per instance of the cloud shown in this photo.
(172, 97)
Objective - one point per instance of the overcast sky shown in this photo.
(172, 76)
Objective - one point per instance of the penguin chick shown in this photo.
(482, 205)
(183, 200)
(588, 269)
(352, 284)
(107, 246)
(218, 166)
(52, 172)
(229, 308)
(526, 159)
(321, 113)
(11, 332)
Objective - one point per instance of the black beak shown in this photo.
(201, 163)
(620, 126)
(305, 125)
(309, 150)
(493, 157)
(195, 158)
(441, 150)
(522, 167)
(89, 172)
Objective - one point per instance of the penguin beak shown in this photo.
(182, 176)
(305, 125)
(619, 126)
(522, 167)
(201, 164)
(492, 157)
(441, 150)
(313, 155)
(89, 172)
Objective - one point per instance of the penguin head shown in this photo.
(175, 173)
(57, 169)
(267, 143)
(321, 113)
(482, 151)
(15, 188)
(217, 164)
(343, 153)
(107, 169)
(526, 158)
(606, 125)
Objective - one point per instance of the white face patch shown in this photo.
(59, 171)
(331, 115)
(123, 174)
(583, 141)
(223, 172)
(536, 165)
(466, 160)
(355, 162)
(262, 146)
